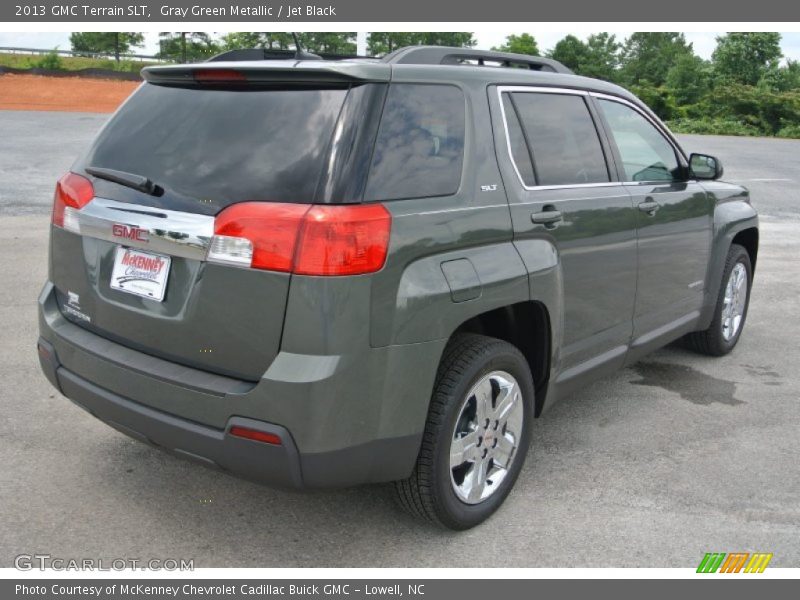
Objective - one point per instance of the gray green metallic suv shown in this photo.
(328, 273)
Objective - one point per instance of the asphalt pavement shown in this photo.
(654, 466)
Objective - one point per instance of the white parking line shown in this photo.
(765, 179)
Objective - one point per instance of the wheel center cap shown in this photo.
(488, 438)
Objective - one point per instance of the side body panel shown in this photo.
(451, 257)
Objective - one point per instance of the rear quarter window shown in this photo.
(419, 149)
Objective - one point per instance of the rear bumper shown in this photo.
(343, 420)
(266, 463)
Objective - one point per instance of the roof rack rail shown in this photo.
(274, 54)
(443, 55)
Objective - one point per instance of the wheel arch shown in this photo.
(525, 325)
(748, 239)
(735, 222)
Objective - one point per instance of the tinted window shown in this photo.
(516, 139)
(223, 146)
(420, 144)
(564, 143)
(646, 155)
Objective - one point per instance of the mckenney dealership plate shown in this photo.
(140, 273)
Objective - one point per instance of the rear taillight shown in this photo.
(303, 239)
(73, 192)
(262, 235)
(343, 240)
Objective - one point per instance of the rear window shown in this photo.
(223, 146)
(420, 144)
(563, 140)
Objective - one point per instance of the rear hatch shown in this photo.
(131, 264)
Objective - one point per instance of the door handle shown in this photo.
(649, 206)
(547, 217)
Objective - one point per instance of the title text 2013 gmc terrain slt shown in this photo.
(327, 273)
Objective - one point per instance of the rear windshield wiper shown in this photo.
(131, 180)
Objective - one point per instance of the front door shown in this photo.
(674, 216)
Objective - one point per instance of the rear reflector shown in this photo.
(73, 192)
(255, 435)
(303, 239)
(43, 352)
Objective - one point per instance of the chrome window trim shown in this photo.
(501, 89)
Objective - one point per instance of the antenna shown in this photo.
(301, 54)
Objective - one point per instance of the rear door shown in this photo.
(563, 191)
(204, 149)
(674, 218)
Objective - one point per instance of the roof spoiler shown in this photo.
(315, 72)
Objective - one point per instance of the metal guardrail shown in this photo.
(111, 56)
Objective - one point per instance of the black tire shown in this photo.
(711, 341)
(428, 493)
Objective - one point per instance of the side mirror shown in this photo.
(704, 166)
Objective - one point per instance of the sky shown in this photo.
(703, 42)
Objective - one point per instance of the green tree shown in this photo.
(570, 52)
(603, 56)
(524, 43)
(688, 79)
(597, 57)
(257, 39)
(648, 56)
(782, 79)
(329, 43)
(746, 57)
(186, 46)
(324, 42)
(766, 110)
(106, 42)
(380, 43)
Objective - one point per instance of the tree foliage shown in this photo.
(380, 43)
(597, 57)
(648, 56)
(688, 79)
(746, 57)
(743, 90)
(781, 79)
(186, 46)
(325, 42)
(106, 42)
(571, 52)
(524, 43)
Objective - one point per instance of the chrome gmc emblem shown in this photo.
(130, 232)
